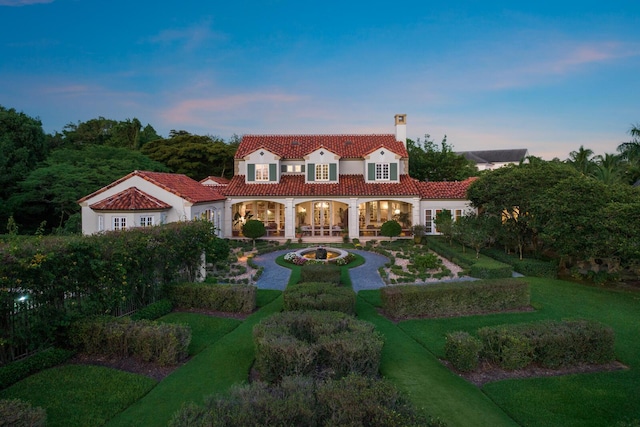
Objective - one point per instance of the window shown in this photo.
(322, 172)
(382, 171)
(119, 223)
(427, 221)
(458, 214)
(100, 222)
(146, 221)
(262, 172)
(294, 168)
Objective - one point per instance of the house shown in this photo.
(144, 199)
(320, 186)
(493, 159)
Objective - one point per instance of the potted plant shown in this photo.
(298, 232)
(418, 233)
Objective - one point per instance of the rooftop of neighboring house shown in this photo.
(495, 156)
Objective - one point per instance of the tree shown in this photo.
(23, 145)
(444, 224)
(101, 131)
(254, 229)
(50, 192)
(630, 153)
(581, 160)
(608, 169)
(193, 155)
(428, 162)
(390, 229)
(477, 231)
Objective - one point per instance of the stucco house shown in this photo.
(321, 186)
(493, 159)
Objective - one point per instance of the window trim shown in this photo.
(147, 221)
(119, 223)
(261, 172)
(382, 171)
(322, 172)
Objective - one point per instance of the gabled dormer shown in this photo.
(323, 166)
(262, 167)
(382, 165)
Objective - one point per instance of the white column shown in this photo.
(227, 219)
(416, 217)
(354, 221)
(289, 219)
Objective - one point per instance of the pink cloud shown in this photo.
(23, 2)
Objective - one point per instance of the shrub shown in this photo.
(227, 298)
(16, 371)
(153, 311)
(311, 272)
(18, 413)
(315, 342)
(390, 229)
(301, 401)
(490, 269)
(552, 344)
(427, 261)
(166, 344)
(527, 266)
(462, 350)
(455, 299)
(319, 296)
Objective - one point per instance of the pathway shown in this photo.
(273, 276)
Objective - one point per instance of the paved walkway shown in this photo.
(273, 276)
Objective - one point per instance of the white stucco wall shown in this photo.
(434, 205)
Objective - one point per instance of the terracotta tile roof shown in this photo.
(295, 186)
(298, 146)
(217, 179)
(130, 199)
(178, 184)
(444, 190)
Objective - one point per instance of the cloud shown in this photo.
(190, 37)
(23, 2)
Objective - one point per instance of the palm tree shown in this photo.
(581, 160)
(630, 152)
(608, 168)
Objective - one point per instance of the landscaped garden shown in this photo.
(419, 352)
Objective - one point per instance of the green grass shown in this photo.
(205, 330)
(80, 395)
(344, 273)
(600, 399)
(214, 370)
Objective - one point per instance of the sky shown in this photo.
(549, 76)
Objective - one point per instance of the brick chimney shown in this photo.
(401, 128)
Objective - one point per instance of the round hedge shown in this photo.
(326, 343)
(319, 296)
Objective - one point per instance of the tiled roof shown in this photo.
(444, 190)
(295, 186)
(130, 199)
(217, 179)
(178, 184)
(298, 146)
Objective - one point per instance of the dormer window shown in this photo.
(322, 172)
(382, 171)
(262, 172)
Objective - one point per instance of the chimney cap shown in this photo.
(401, 119)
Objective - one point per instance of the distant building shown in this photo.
(493, 159)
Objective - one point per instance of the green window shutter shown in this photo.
(371, 172)
(333, 172)
(283, 168)
(251, 172)
(311, 172)
(302, 168)
(393, 171)
(273, 169)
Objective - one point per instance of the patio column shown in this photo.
(289, 219)
(227, 219)
(354, 221)
(415, 211)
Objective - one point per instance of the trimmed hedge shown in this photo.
(16, 371)
(153, 311)
(455, 299)
(18, 413)
(300, 401)
(527, 266)
(463, 351)
(326, 343)
(319, 296)
(311, 272)
(228, 298)
(164, 343)
(552, 344)
(488, 268)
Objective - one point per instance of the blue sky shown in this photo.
(547, 76)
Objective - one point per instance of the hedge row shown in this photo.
(481, 268)
(330, 273)
(551, 344)
(319, 296)
(301, 401)
(228, 298)
(326, 343)
(153, 311)
(16, 371)
(527, 266)
(18, 413)
(166, 344)
(455, 299)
